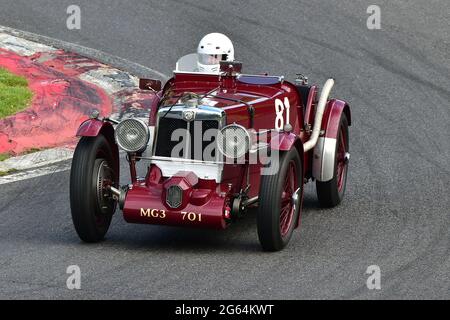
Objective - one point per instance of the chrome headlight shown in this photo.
(234, 141)
(132, 135)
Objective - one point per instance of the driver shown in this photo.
(213, 48)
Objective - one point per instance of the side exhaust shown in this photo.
(311, 143)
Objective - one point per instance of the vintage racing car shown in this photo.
(216, 145)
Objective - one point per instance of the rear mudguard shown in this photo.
(95, 127)
(325, 149)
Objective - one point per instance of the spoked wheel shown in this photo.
(279, 201)
(331, 193)
(91, 202)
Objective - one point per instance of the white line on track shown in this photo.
(34, 173)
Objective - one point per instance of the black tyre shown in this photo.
(92, 171)
(277, 215)
(331, 193)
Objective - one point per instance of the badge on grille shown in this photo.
(174, 196)
(188, 115)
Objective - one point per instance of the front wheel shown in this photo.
(91, 174)
(279, 201)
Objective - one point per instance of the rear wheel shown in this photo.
(331, 193)
(91, 203)
(277, 214)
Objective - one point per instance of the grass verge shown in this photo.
(5, 173)
(14, 93)
(4, 156)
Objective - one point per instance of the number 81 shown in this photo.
(279, 110)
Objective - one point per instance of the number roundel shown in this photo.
(280, 108)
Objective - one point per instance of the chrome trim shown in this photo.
(211, 170)
(147, 132)
(323, 159)
(184, 160)
(296, 200)
(347, 157)
(219, 146)
(207, 171)
(280, 79)
(188, 115)
(148, 150)
(118, 195)
(216, 73)
(316, 132)
(114, 191)
(203, 169)
(201, 113)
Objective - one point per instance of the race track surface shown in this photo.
(396, 212)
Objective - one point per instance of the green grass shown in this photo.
(31, 150)
(4, 156)
(7, 155)
(5, 173)
(14, 93)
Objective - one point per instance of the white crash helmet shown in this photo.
(213, 48)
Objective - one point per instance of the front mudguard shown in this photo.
(325, 150)
(95, 127)
(285, 141)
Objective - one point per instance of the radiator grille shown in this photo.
(197, 129)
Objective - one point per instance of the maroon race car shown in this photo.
(216, 145)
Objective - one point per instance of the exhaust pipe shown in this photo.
(311, 143)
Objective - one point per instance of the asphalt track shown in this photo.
(396, 211)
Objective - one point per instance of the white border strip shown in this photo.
(34, 173)
(40, 168)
